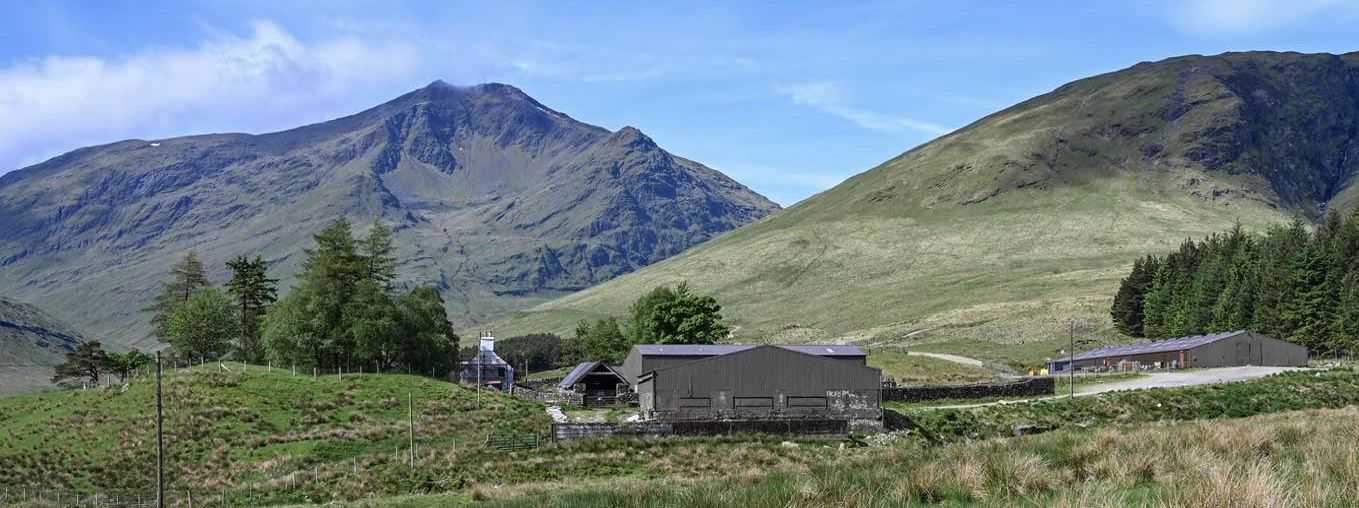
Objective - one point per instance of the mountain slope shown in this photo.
(990, 240)
(31, 343)
(497, 199)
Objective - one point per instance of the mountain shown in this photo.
(31, 343)
(993, 239)
(495, 198)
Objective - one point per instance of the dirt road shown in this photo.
(1155, 380)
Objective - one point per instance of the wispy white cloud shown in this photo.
(1225, 17)
(56, 103)
(826, 96)
(597, 64)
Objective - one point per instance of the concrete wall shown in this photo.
(763, 382)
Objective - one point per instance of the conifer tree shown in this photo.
(379, 256)
(1308, 311)
(186, 278)
(89, 361)
(254, 291)
(1129, 304)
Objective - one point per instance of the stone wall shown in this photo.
(1025, 387)
(571, 431)
(558, 398)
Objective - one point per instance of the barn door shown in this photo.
(1243, 353)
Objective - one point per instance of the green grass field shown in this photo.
(909, 369)
(269, 438)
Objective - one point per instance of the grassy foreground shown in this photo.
(268, 438)
(1305, 458)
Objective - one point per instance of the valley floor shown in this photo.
(258, 437)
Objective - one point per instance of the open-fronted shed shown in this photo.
(593, 377)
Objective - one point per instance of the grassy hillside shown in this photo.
(254, 428)
(997, 236)
(269, 438)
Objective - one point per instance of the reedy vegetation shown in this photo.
(1289, 459)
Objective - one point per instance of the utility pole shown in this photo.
(410, 429)
(479, 367)
(160, 442)
(1071, 366)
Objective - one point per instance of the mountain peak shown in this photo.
(630, 135)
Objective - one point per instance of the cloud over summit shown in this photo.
(255, 81)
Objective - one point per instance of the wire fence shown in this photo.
(284, 485)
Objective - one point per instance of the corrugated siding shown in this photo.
(767, 375)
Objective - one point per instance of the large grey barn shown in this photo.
(1229, 349)
(762, 382)
(645, 358)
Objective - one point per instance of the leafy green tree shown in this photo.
(288, 333)
(125, 365)
(204, 326)
(375, 327)
(643, 327)
(254, 291)
(89, 361)
(602, 340)
(430, 340)
(690, 319)
(186, 278)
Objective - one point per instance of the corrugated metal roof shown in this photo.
(574, 376)
(584, 368)
(1155, 346)
(726, 349)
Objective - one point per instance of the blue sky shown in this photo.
(788, 99)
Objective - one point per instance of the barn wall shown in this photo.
(764, 382)
(1246, 348)
(1281, 353)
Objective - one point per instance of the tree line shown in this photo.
(344, 311)
(665, 315)
(1290, 282)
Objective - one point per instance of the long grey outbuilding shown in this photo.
(644, 358)
(1228, 349)
(762, 382)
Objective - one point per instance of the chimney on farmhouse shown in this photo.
(487, 342)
